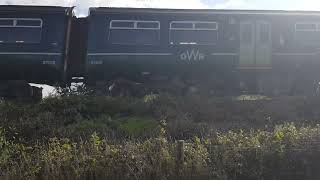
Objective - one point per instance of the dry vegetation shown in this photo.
(99, 137)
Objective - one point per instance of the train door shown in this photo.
(263, 45)
(255, 45)
(247, 44)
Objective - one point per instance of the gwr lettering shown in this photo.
(193, 55)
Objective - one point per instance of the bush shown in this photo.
(100, 137)
(287, 152)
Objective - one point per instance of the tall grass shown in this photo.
(129, 117)
(286, 152)
(98, 137)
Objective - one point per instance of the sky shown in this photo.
(82, 5)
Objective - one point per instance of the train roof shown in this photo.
(102, 10)
(41, 9)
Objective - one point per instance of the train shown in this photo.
(222, 52)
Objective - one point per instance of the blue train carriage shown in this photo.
(279, 52)
(160, 44)
(33, 43)
(227, 50)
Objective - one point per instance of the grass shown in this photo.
(137, 126)
(286, 152)
(97, 137)
(118, 117)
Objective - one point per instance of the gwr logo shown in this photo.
(193, 55)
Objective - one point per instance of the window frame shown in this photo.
(306, 30)
(194, 25)
(243, 39)
(135, 24)
(14, 25)
(193, 29)
(135, 27)
(317, 30)
(259, 36)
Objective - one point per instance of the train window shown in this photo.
(247, 33)
(119, 24)
(148, 25)
(20, 30)
(307, 33)
(29, 23)
(134, 32)
(6, 22)
(306, 27)
(206, 26)
(264, 32)
(181, 25)
(193, 32)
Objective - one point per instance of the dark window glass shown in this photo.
(306, 27)
(182, 25)
(5, 33)
(4, 22)
(204, 37)
(26, 35)
(307, 34)
(20, 30)
(148, 25)
(34, 23)
(264, 33)
(134, 36)
(212, 26)
(122, 24)
(20, 35)
(246, 33)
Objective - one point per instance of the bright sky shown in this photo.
(219, 4)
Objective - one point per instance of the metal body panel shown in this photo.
(106, 60)
(39, 62)
(273, 53)
(39, 67)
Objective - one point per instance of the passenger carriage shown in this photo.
(33, 42)
(258, 51)
(227, 51)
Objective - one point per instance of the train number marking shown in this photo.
(49, 62)
(96, 62)
(193, 55)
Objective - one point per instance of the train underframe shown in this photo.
(19, 89)
(280, 83)
(263, 82)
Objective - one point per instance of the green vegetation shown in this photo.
(98, 137)
(287, 152)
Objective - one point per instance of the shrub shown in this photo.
(284, 153)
